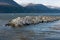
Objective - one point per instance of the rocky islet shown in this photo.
(28, 20)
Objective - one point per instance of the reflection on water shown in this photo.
(42, 31)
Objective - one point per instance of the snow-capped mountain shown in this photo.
(40, 8)
(9, 6)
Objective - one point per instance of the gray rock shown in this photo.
(28, 20)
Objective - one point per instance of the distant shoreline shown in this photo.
(37, 14)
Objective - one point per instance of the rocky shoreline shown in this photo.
(28, 20)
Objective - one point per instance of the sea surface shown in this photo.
(41, 31)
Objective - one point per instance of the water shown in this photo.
(41, 31)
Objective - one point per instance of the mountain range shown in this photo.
(9, 6)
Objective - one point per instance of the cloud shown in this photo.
(45, 2)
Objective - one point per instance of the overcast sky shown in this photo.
(45, 2)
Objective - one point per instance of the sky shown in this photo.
(45, 2)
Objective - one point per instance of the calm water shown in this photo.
(40, 31)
